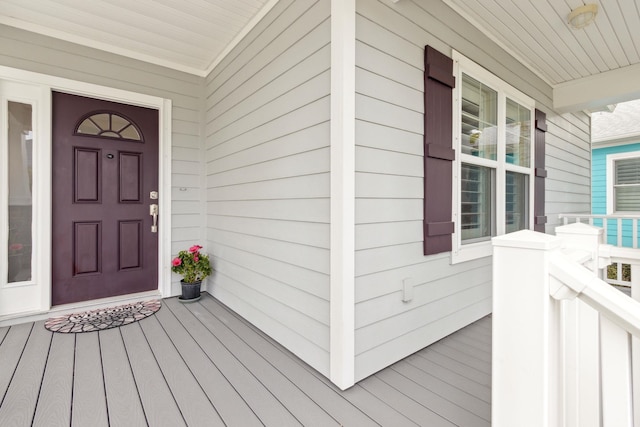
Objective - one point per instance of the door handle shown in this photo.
(153, 211)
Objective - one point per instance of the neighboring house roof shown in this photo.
(621, 125)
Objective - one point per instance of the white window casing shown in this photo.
(611, 174)
(474, 248)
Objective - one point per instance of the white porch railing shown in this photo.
(619, 230)
(564, 341)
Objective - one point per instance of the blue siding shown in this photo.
(599, 191)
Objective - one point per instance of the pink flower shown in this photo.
(195, 258)
(195, 248)
(176, 262)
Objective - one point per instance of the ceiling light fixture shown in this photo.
(582, 16)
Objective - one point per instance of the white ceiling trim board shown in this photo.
(593, 92)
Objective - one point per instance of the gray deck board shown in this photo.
(123, 401)
(417, 413)
(190, 397)
(445, 390)
(19, 404)
(450, 376)
(459, 356)
(10, 353)
(308, 401)
(201, 364)
(469, 372)
(157, 399)
(89, 399)
(431, 399)
(232, 408)
(54, 401)
(266, 406)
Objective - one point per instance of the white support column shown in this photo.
(342, 281)
(581, 340)
(635, 346)
(525, 353)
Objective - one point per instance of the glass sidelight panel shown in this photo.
(20, 180)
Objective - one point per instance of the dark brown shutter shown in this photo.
(540, 173)
(438, 152)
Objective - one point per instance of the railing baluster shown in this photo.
(619, 229)
(617, 409)
(620, 237)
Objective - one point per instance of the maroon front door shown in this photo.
(105, 173)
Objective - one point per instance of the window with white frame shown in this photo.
(493, 135)
(624, 179)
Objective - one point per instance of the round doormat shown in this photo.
(104, 318)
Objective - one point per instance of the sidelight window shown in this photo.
(20, 188)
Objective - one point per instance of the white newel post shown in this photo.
(581, 364)
(525, 352)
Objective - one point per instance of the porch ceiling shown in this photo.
(187, 35)
(588, 68)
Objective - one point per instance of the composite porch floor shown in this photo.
(200, 364)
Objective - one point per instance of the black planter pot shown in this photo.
(190, 291)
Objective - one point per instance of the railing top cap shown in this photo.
(528, 239)
(579, 228)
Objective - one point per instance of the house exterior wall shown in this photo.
(251, 169)
(599, 164)
(389, 178)
(40, 54)
(267, 177)
(599, 174)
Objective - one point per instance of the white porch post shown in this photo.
(524, 389)
(581, 341)
(342, 282)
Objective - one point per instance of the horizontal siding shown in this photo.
(267, 177)
(32, 52)
(389, 179)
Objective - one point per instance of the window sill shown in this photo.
(464, 253)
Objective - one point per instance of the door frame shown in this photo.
(49, 83)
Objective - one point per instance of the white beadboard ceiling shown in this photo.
(187, 35)
(193, 35)
(607, 52)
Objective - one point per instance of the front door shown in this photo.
(105, 183)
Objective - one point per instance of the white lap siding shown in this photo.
(389, 176)
(267, 177)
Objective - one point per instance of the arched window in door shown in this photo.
(108, 125)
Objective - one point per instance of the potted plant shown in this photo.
(194, 266)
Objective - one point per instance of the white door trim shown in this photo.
(50, 83)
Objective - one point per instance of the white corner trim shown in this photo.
(592, 92)
(164, 184)
(342, 278)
